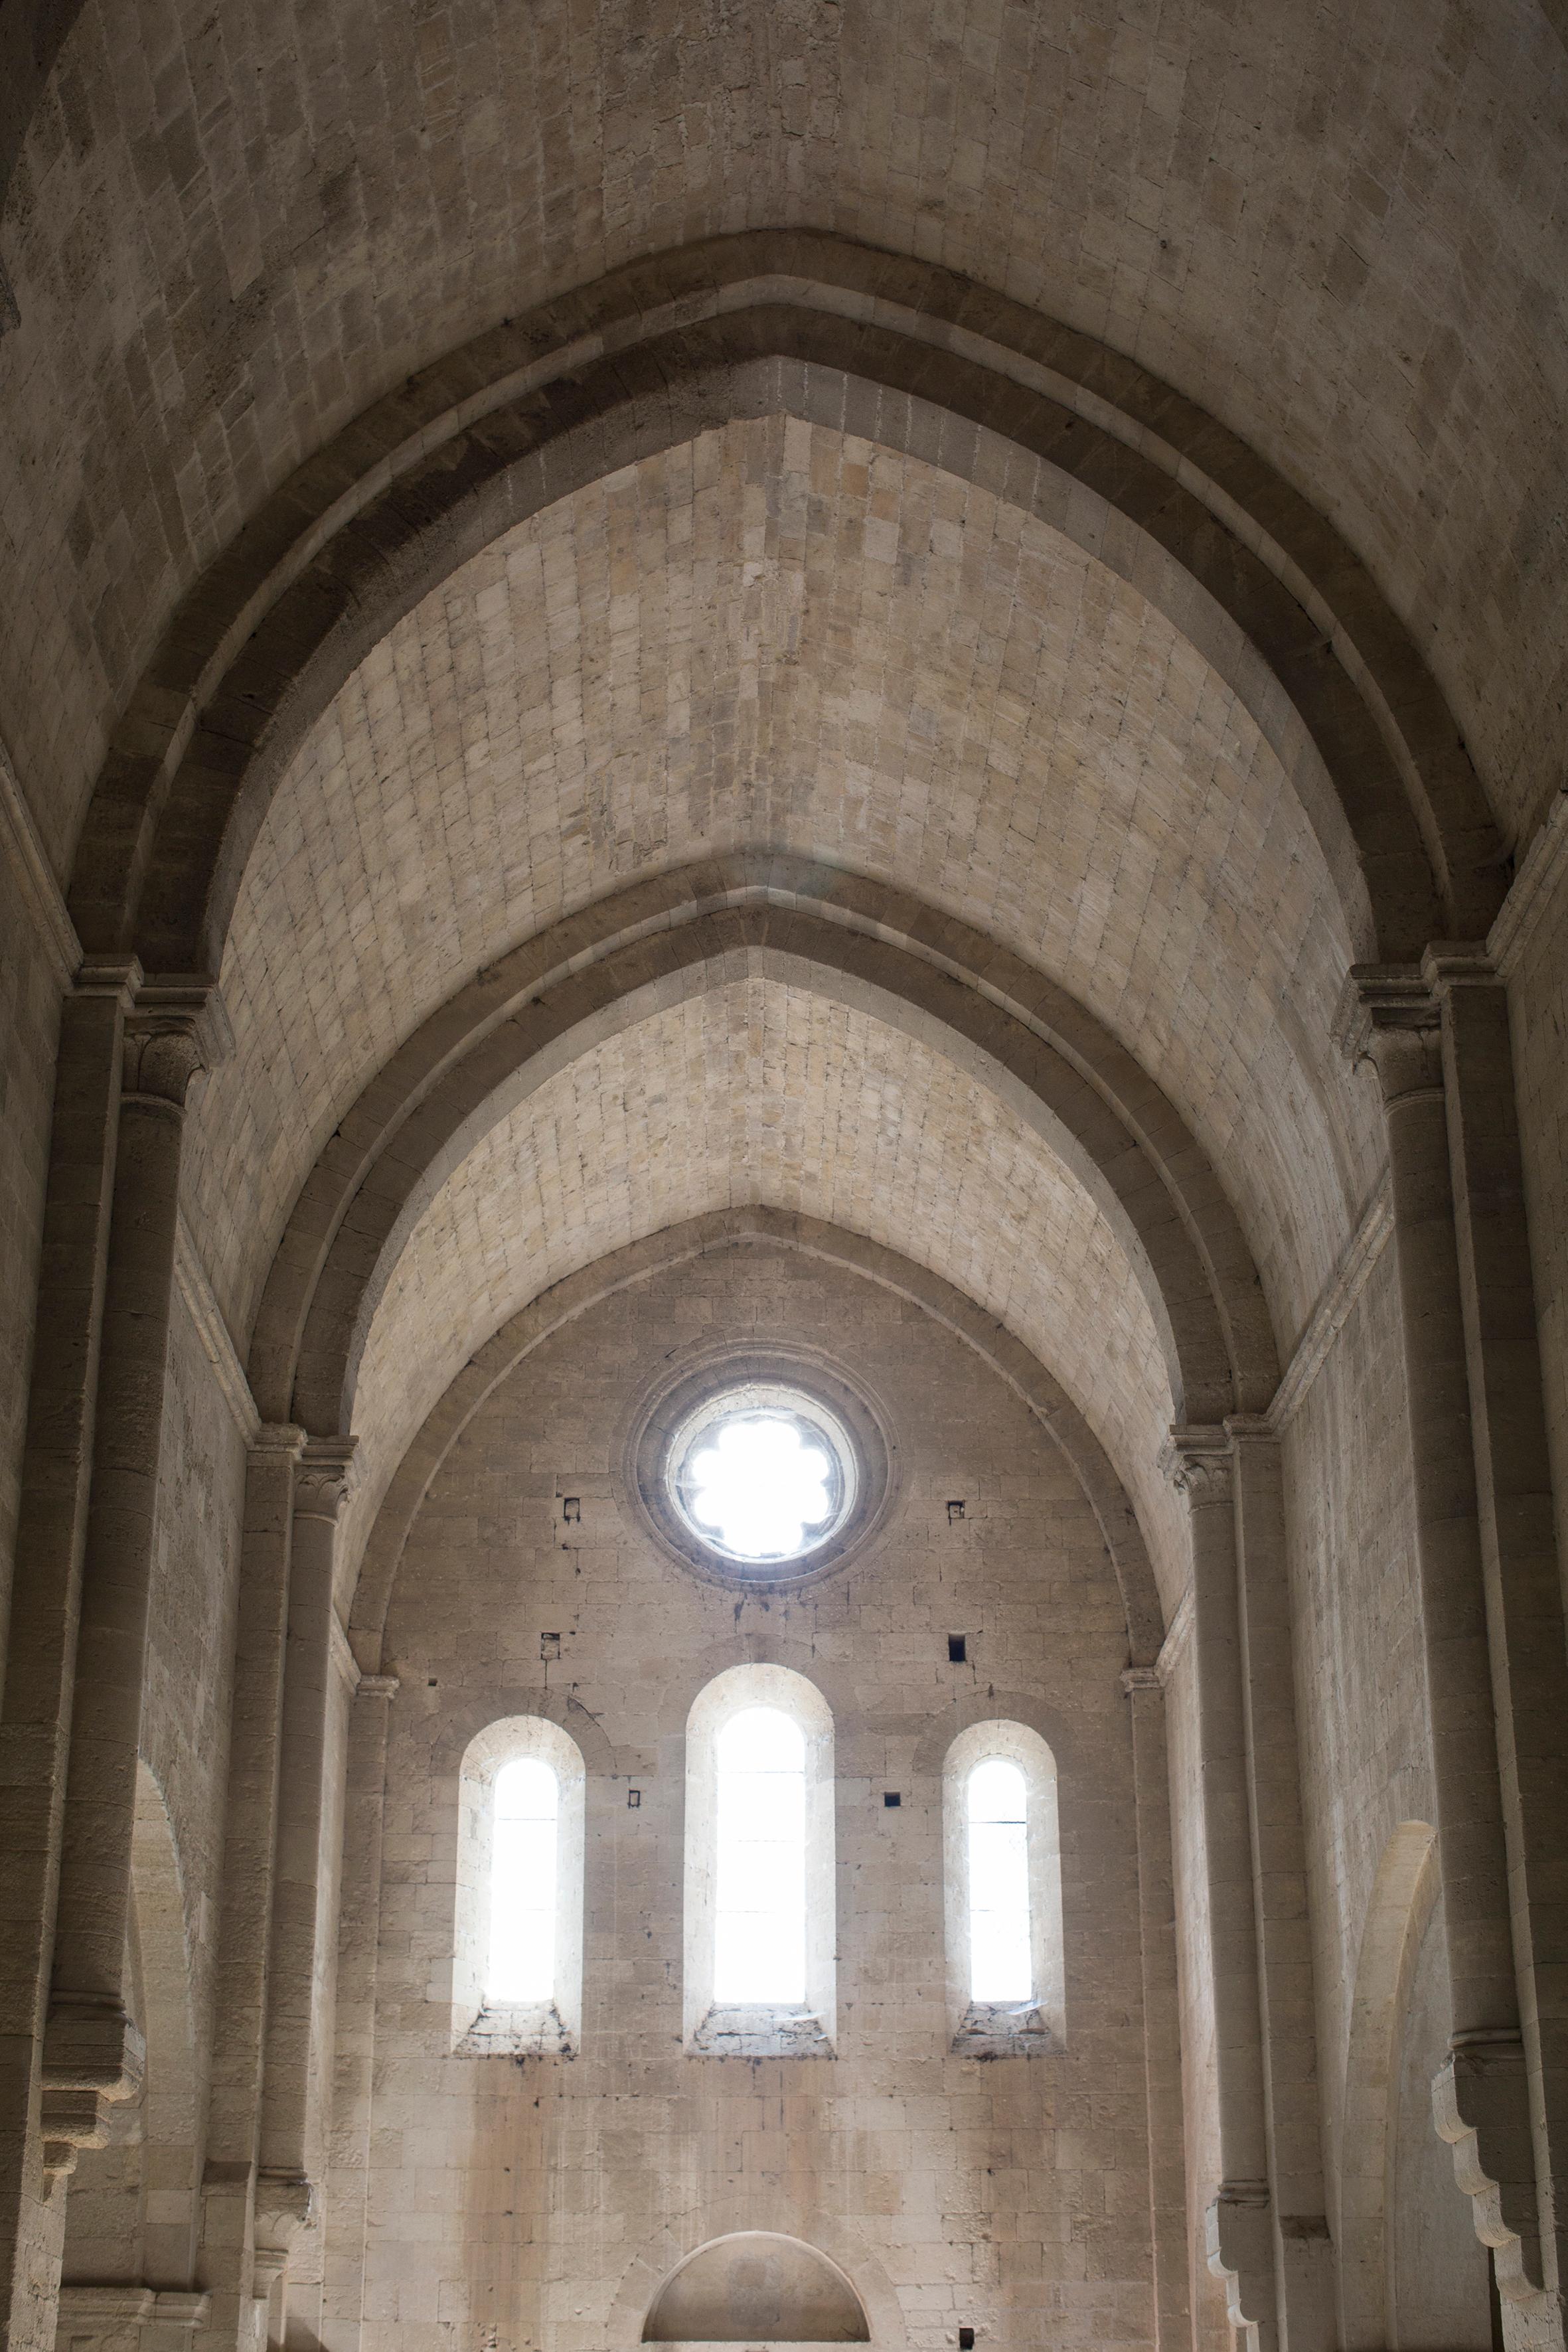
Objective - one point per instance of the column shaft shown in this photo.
(1162, 2012)
(358, 1941)
(169, 1040)
(51, 1536)
(1482, 2097)
(250, 1839)
(1524, 1593)
(1240, 2225)
(297, 2076)
(1303, 2251)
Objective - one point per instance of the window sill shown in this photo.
(517, 2030)
(737, 2031)
(995, 2029)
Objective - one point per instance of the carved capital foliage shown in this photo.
(176, 1030)
(1390, 1017)
(285, 2203)
(324, 1476)
(1200, 1465)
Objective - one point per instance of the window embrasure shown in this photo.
(517, 1968)
(759, 1867)
(1002, 1868)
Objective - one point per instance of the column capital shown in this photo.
(384, 1686)
(176, 1030)
(1388, 1014)
(325, 1476)
(1200, 1464)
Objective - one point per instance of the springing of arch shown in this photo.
(557, 994)
(578, 1294)
(813, 325)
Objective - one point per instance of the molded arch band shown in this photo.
(889, 348)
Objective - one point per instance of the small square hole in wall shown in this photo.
(550, 1646)
(966, 2339)
(633, 1798)
(954, 1512)
(957, 1649)
(572, 1510)
(891, 1796)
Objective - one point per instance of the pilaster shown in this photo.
(1436, 1037)
(355, 2039)
(174, 1031)
(1239, 2229)
(301, 1987)
(230, 2221)
(1161, 2011)
(36, 1714)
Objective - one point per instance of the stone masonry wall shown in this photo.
(537, 2204)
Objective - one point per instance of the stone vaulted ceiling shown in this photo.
(232, 231)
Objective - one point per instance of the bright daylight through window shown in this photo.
(762, 1475)
(523, 1874)
(760, 1906)
(1000, 1966)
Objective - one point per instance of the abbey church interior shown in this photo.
(783, 1175)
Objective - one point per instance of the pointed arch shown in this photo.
(815, 326)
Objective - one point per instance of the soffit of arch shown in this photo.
(1317, 222)
(784, 636)
(753, 1090)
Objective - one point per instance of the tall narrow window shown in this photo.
(517, 1959)
(759, 1867)
(1000, 1962)
(1006, 1965)
(524, 1868)
(760, 1908)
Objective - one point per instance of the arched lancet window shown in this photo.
(1006, 1976)
(758, 1898)
(1001, 1956)
(517, 1973)
(759, 1866)
(525, 1869)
